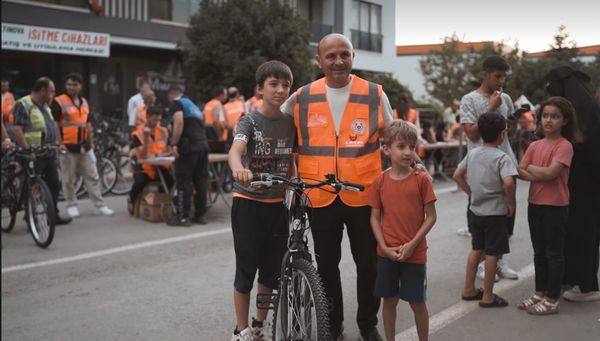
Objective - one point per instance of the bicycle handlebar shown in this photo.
(267, 179)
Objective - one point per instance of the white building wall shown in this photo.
(386, 61)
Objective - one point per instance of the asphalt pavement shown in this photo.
(120, 278)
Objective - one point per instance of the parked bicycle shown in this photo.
(24, 189)
(300, 309)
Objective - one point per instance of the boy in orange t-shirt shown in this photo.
(402, 213)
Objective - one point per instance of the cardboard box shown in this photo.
(155, 207)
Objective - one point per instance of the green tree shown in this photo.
(390, 85)
(228, 40)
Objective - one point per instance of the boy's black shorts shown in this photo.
(489, 233)
(406, 281)
(260, 233)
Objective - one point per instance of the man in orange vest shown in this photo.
(405, 111)
(215, 120)
(254, 103)
(338, 120)
(71, 111)
(149, 140)
(8, 106)
(234, 109)
(134, 101)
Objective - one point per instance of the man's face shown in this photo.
(5, 86)
(149, 100)
(46, 95)
(144, 87)
(494, 80)
(153, 120)
(335, 59)
(72, 87)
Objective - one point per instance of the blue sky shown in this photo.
(532, 23)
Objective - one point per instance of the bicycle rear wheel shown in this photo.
(302, 311)
(41, 213)
(107, 171)
(9, 203)
(124, 177)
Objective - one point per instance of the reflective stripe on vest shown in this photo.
(73, 120)
(36, 128)
(157, 145)
(353, 155)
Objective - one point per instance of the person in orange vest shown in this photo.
(338, 120)
(149, 99)
(134, 101)
(215, 120)
(72, 112)
(148, 140)
(405, 111)
(254, 103)
(8, 106)
(234, 109)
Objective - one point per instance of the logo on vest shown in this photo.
(359, 126)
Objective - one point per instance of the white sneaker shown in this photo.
(575, 295)
(261, 333)
(463, 232)
(104, 210)
(73, 211)
(244, 335)
(481, 272)
(505, 271)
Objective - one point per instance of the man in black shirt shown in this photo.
(190, 148)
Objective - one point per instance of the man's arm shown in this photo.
(177, 131)
(472, 131)
(19, 137)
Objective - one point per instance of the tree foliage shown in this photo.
(228, 40)
(389, 83)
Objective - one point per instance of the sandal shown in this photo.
(544, 307)
(530, 302)
(497, 302)
(476, 297)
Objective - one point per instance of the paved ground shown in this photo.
(117, 278)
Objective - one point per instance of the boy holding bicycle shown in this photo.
(263, 144)
(402, 213)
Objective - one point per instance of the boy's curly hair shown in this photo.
(399, 129)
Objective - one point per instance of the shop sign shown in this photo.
(54, 40)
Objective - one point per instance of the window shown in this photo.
(319, 16)
(70, 3)
(173, 10)
(366, 26)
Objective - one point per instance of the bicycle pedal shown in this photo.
(266, 301)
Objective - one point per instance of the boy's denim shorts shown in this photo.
(408, 281)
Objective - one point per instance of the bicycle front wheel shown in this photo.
(41, 213)
(302, 311)
(9, 202)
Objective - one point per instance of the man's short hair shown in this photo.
(495, 63)
(219, 91)
(147, 93)
(491, 125)
(232, 92)
(273, 68)
(73, 76)
(153, 110)
(399, 129)
(41, 83)
(175, 89)
(141, 82)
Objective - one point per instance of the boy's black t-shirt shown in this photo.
(193, 136)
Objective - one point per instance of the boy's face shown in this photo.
(494, 80)
(400, 152)
(275, 91)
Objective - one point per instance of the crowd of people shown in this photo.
(342, 124)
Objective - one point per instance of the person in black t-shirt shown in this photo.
(190, 149)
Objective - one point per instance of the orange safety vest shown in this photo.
(233, 111)
(158, 144)
(254, 103)
(140, 114)
(209, 116)
(73, 120)
(354, 154)
(8, 106)
(527, 122)
(411, 116)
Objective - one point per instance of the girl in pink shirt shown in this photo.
(546, 164)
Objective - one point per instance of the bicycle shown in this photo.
(23, 188)
(300, 308)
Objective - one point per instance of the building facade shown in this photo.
(139, 39)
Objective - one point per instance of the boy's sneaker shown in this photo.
(104, 210)
(244, 335)
(463, 232)
(261, 330)
(505, 271)
(481, 272)
(575, 295)
(73, 211)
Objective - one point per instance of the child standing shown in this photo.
(486, 175)
(263, 144)
(402, 213)
(546, 164)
